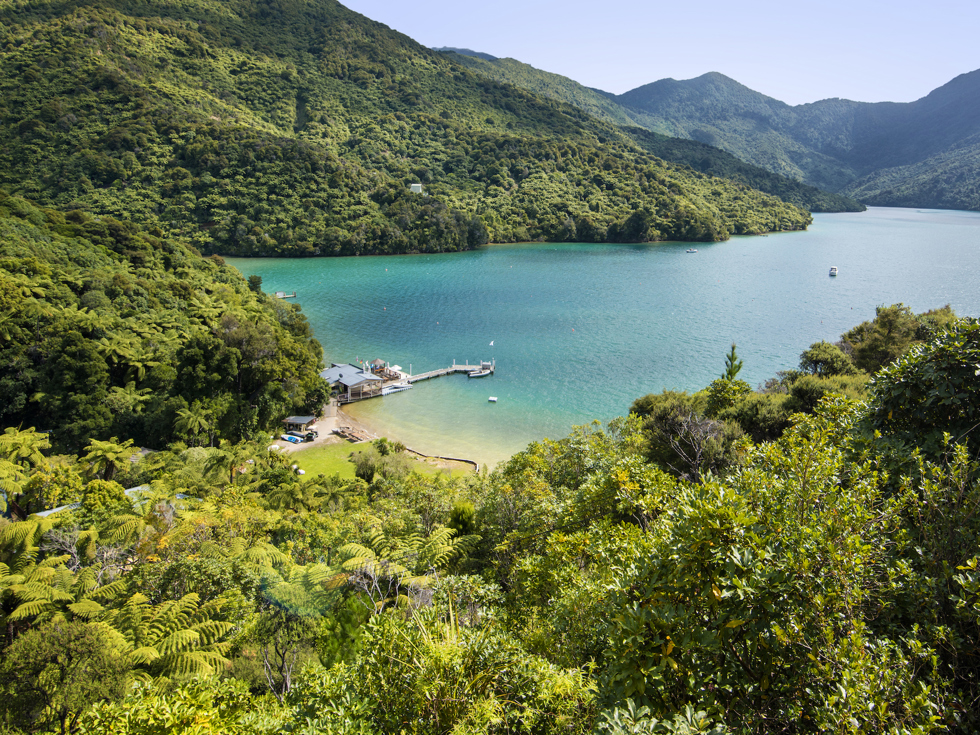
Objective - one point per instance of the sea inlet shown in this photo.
(579, 331)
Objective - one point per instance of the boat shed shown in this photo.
(357, 382)
(298, 423)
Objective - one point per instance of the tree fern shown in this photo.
(175, 638)
(389, 569)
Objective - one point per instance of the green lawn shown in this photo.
(331, 459)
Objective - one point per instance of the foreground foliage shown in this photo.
(826, 579)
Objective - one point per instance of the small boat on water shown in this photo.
(833, 270)
(389, 389)
(492, 399)
(482, 373)
(691, 250)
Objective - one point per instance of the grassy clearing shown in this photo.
(331, 459)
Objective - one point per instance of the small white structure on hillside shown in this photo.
(415, 188)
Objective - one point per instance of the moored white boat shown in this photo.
(833, 270)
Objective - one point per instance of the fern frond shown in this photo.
(29, 609)
(265, 555)
(179, 641)
(86, 608)
(144, 655)
(353, 550)
(109, 591)
(212, 631)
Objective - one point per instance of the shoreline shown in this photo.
(372, 431)
(326, 425)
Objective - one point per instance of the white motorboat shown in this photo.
(479, 373)
(833, 270)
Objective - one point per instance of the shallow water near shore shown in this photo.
(579, 331)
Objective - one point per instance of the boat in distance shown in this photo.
(833, 270)
(479, 373)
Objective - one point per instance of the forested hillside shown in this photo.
(293, 127)
(598, 104)
(107, 330)
(723, 562)
(920, 153)
(680, 150)
(715, 162)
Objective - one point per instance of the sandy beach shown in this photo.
(327, 425)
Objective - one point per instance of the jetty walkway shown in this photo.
(404, 381)
(454, 368)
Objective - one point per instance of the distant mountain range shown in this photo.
(918, 154)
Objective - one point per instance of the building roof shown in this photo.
(131, 492)
(299, 419)
(348, 375)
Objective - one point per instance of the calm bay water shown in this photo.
(580, 331)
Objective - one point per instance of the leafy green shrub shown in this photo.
(52, 674)
(467, 680)
(153, 708)
(824, 359)
(932, 390)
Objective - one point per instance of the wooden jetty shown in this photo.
(454, 368)
(404, 381)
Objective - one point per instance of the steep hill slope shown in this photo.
(108, 330)
(295, 127)
(922, 153)
(667, 145)
(715, 162)
(545, 84)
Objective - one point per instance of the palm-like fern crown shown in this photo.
(175, 638)
(413, 559)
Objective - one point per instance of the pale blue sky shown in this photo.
(796, 52)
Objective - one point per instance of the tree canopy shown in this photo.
(297, 128)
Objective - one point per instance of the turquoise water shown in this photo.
(580, 331)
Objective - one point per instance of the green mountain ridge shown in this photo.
(664, 141)
(839, 144)
(292, 127)
(921, 153)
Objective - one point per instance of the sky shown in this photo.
(797, 52)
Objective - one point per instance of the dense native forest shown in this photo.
(800, 558)
(680, 150)
(291, 127)
(917, 154)
(109, 331)
(921, 153)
